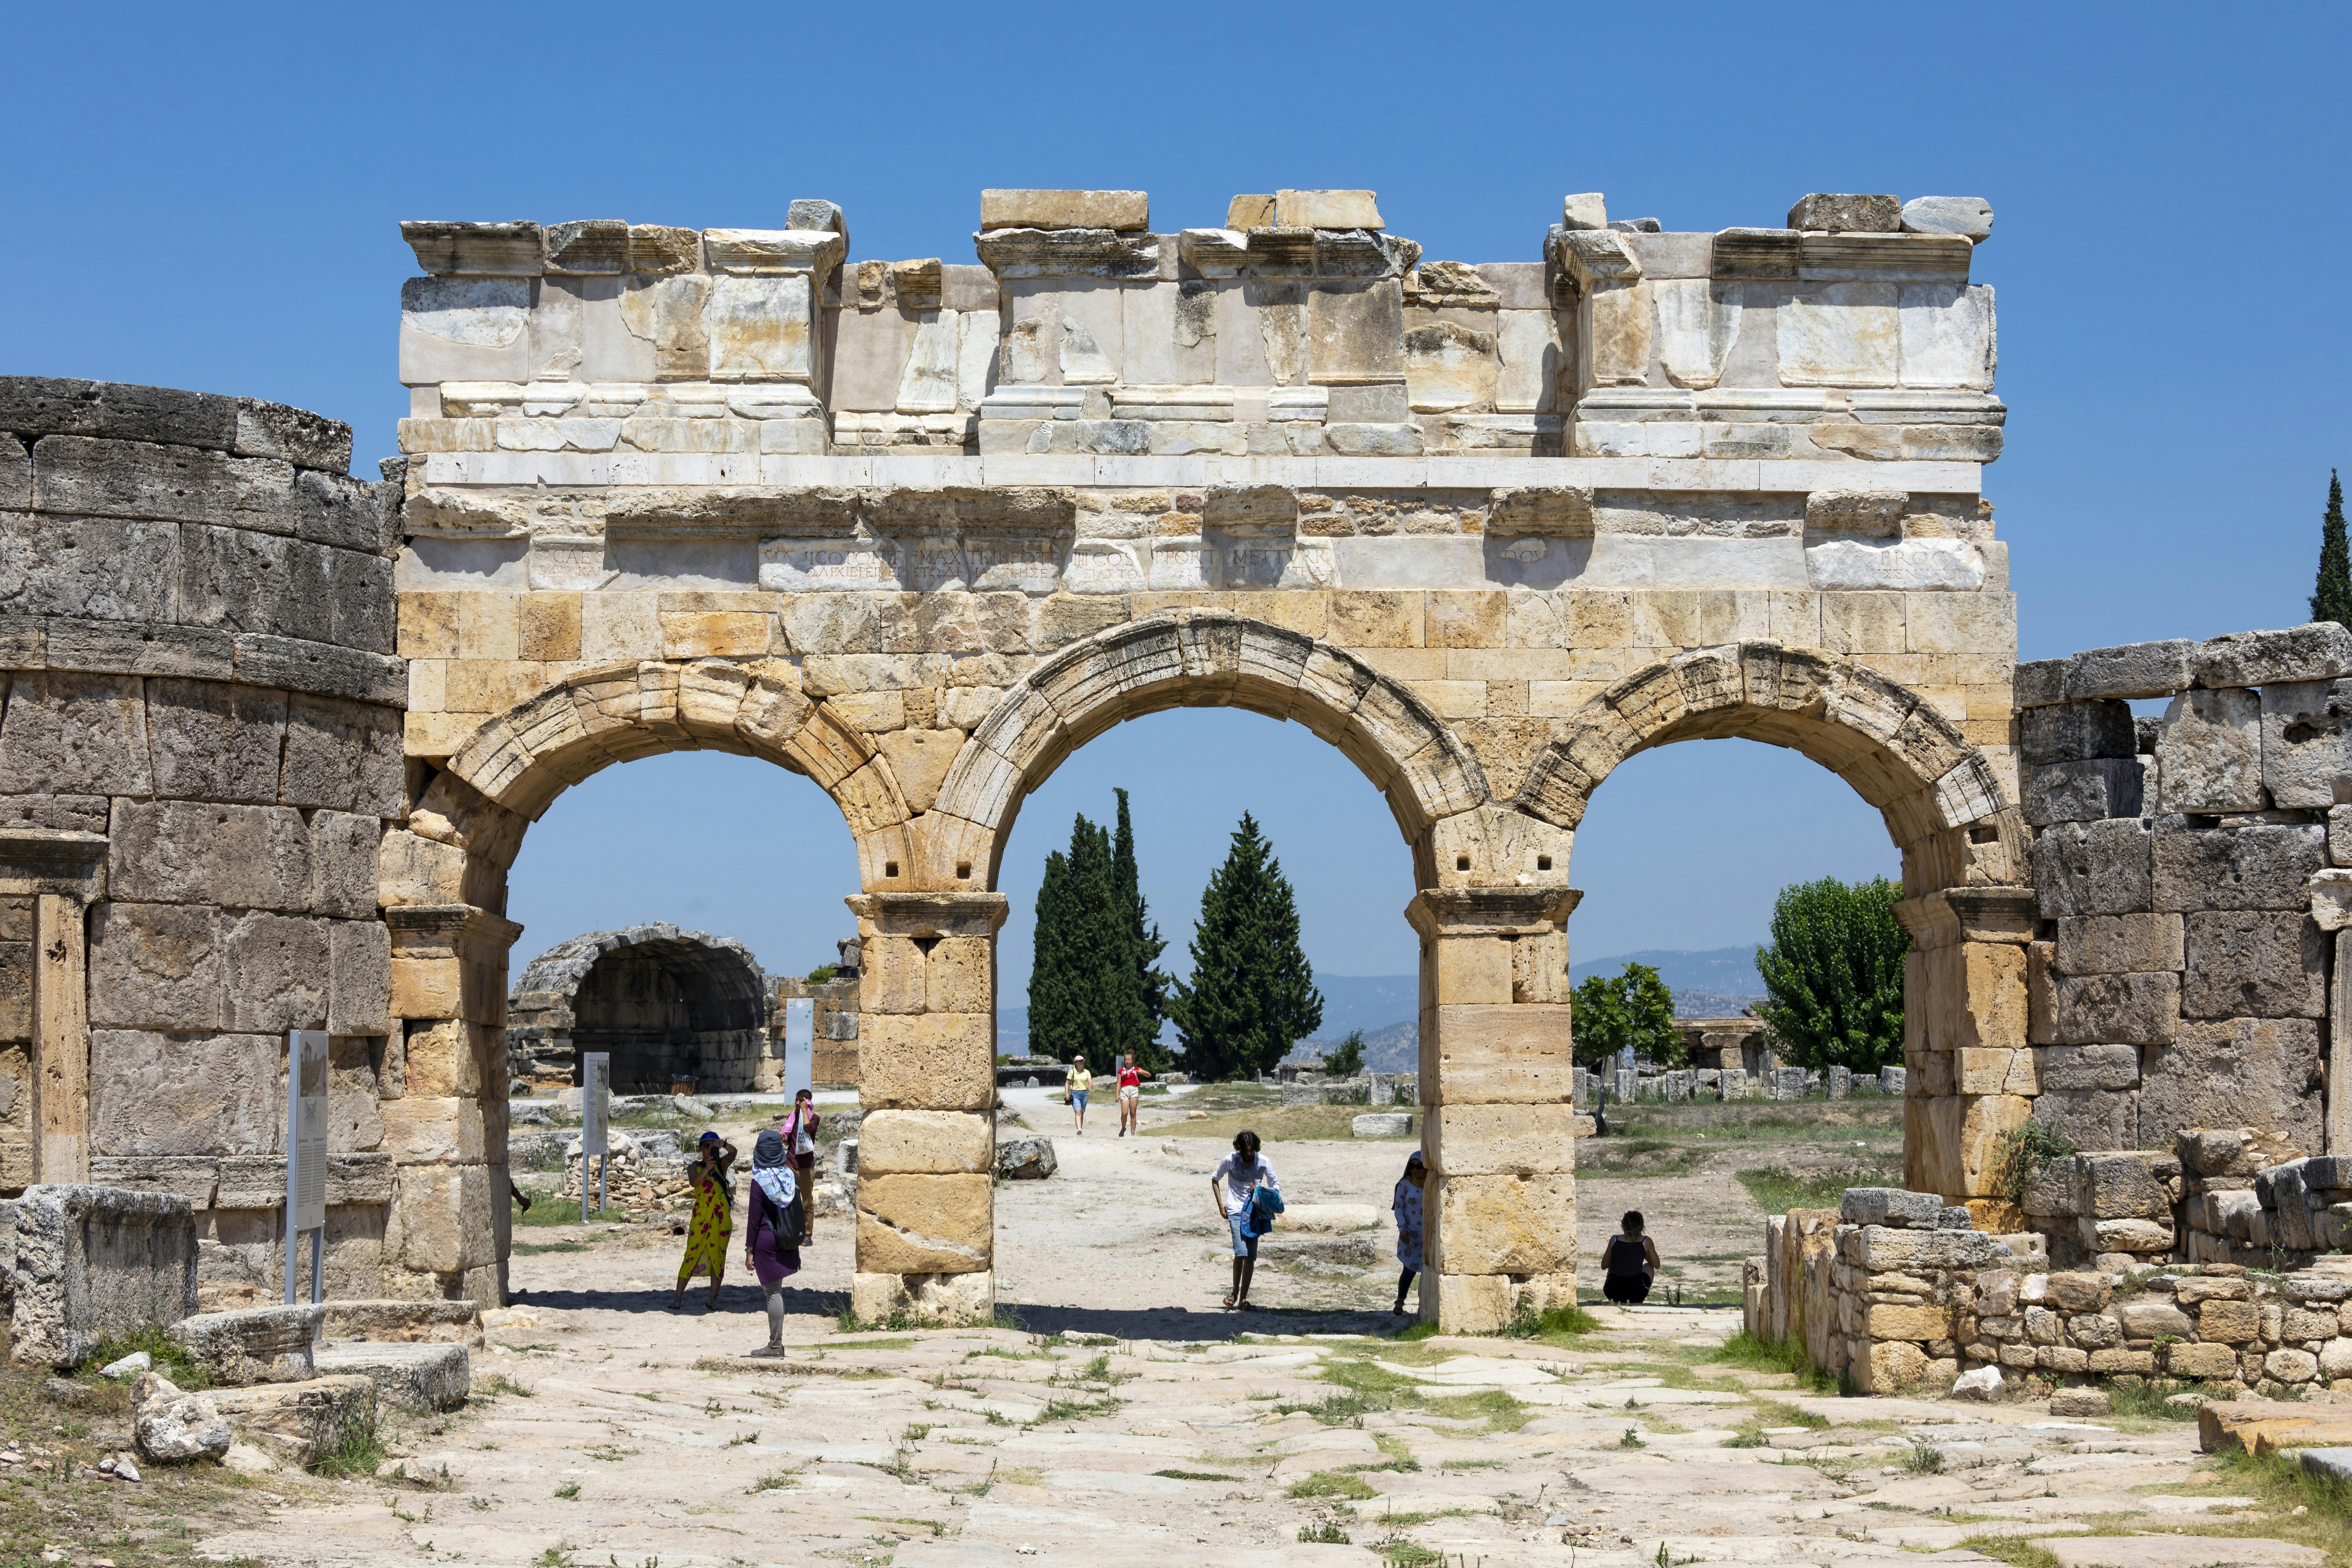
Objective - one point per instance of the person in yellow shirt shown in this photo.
(1074, 1091)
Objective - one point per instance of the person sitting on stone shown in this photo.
(1629, 1263)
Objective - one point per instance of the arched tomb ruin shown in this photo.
(671, 1007)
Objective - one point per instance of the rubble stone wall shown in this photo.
(203, 712)
(920, 530)
(2188, 869)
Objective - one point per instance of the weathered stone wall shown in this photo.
(2187, 872)
(667, 1004)
(203, 711)
(834, 1052)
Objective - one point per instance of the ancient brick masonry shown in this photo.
(199, 750)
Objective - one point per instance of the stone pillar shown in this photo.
(1969, 1067)
(446, 1130)
(53, 876)
(1496, 1083)
(926, 1080)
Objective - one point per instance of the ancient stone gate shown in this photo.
(920, 531)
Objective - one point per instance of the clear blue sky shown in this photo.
(206, 198)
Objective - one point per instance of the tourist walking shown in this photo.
(1074, 1091)
(771, 1234)
(1130, 1095)
(799, 1129)
(1235, 1184)
(713, 1225)
(1629, 1263)
(1405, 1203)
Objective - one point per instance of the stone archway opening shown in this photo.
(673, 1009)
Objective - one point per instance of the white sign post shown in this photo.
(306, 1154)
(800, 1044)
(595, 1096)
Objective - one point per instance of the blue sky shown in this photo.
(207, 197)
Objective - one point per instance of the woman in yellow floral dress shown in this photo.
(713, 1225)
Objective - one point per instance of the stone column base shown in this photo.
(1485, 1303)
(951, 1298)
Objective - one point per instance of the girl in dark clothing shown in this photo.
(1629, 1263)
(772, 1242)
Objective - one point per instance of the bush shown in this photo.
(1835, 969)
(170, 1355)
(2021, 1154)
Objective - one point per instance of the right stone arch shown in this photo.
(1968, 900)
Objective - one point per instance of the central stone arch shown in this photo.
(1968, 904)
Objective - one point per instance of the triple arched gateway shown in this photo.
(918, 532)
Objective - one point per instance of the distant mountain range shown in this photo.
(1719, 983)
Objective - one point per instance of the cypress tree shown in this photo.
(1253, 993)
(1073, 1000)
(1143, 989)
(2332, 601)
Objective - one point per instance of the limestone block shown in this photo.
(185, 1093)
(1884, 1249)
(2209, 752)
(667, 314)
(1891, 1206)
(464, 328)
(2307, 741)
(1946, 335)
(2090, 1118)
(2093, 869)
(2040, 993)
(1449, 367)
(2265, 867)
(1323, 209)
(1889, 1321)
(1618, 332)
(2315, 651)
(2119, 944)
(2254, 965)
(1503, 1224)
(1840, 334)
(932, 1298)
(924, 1224)
(341, 755)
(359, 963)
(440, 1220)
(75, 734)
(1356, 330)
(1509, 1055)
(295, 1423)
(154, 967)
(2229, 1322)
(92, 1263)
(2261, 1073)
(760, 327)
(212, 741)
(2090, 791)
(242, 857)
(2139, 1009)
(254, 1344)
(275, 969)
(2089, 1066)
(424, 1378)
(2212, 1361)
(1842, 213)
(445, 1058)
(343, 851)
(1698, 323)
(2076, 732)
(924, 1143)
(959, 975)
(174, 1427)
(1126, 211)
(938, 1061)
(1968, 217)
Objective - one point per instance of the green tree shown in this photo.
(1143, 988)
(1253, 993)
(2332, 599)
(1835, 972)
(1073, 1000)
(1346, 1059)
(1608, 1013)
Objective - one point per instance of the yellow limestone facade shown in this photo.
(920, 531)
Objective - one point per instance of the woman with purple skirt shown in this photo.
(771, 1241)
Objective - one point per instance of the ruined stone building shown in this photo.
(273, 735)
(832, 1006)
(676, 1009)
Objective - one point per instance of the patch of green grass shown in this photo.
(1745, 1349)
(611, 1454)
(501, 1384)
(1500, 1410)
(1401, 1552)
(1412, 1332)
(1778, 1191)
(568, 1490)
(1632, 1439)
(776, 1482)
(1194, 1475)
(1077, 1409)
(356, 1450)
(2145, 1400)
(1344, 1485)
(171, 1357)
(2014, 1550)
(1923, 1458)
(1559, 1325)
(1325, 1534)
(533, 1248)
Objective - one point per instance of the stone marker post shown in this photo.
(927, 1081)
(1496, 1078)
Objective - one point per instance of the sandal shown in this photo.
(1229, 1301)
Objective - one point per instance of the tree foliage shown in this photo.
(1143, 989)
(1610, 1012)
(1252, 993)
(1834, 973)
(1346, 1059)
(1092, 987)
(2331, 600)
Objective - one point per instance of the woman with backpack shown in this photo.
(1235, 1184)
(799, 1130)
(772, 1242)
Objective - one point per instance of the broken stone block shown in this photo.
(2091, 791)
(1968, 217)
(2307, 741)
(96, 1263)
(508, 249)
(1327, 209)
(1890, 1206)
(1026, 1159)
(2208, 753)
(2075, 731)
(1588, 209)
(2244, 963)
(2262, 1074)
(2093, 869)
(588, 247)
(174, 1427)
(2088, 1067)
(2320, 650)
(255, 1344)
(295, 1423)
(1822, 214)
(1125, 211)
(422, 1377)
(2091, 1118)
(2132, 670)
